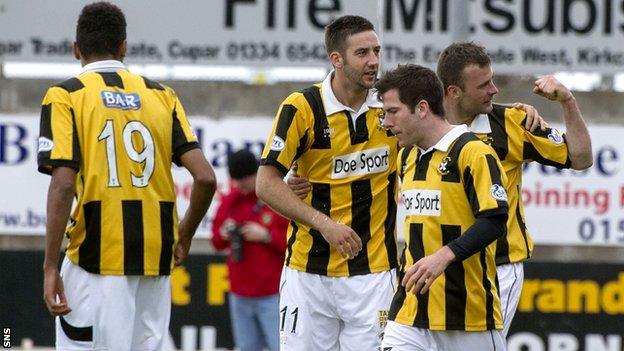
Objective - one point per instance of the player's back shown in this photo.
(121, 132)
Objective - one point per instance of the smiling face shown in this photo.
(478, 90)
(400, 119)
(360, 60)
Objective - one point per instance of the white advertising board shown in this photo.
(562, 207)
(523, 36)
(23, 190)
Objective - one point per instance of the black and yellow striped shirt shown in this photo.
(504, 130)
(351, 165)
(121, 132)
(444, 191)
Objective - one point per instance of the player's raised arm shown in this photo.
(577, 135)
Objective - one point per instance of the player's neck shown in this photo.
(455, 114)
(87, 60)
(436, 130)
(350, 96)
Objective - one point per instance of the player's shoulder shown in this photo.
(151, 84)
(471, 147)
(505, 113)
(304, 97)
(60, 92)
(70, 85)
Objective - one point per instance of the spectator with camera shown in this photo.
(255, 239)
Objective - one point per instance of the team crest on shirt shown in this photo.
(555, 136)
(498, 192)
(115, 99)
(277, 144)
(45, 144)
(488, 140)
(443, 167)
(381, 116)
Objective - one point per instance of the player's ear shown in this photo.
(76, 51)
(452, 91)
(122, 50)
(336, 59)
(422, 107)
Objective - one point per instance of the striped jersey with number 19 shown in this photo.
(444, 191)
(121, 132)
(351, 165)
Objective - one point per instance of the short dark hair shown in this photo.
(458, 56)
(241, 164)
(414, 83)
(337, 32)
(101, 30)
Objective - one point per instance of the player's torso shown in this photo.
(507, 141)
(438, 211)
(351, 165)
(125, 219)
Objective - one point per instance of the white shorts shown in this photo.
(113, 312)
(400, 337)
(334, 313)
(510, 279)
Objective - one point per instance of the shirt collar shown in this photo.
(332, 105)
(103, 66)
(445, 142)
(480, 125)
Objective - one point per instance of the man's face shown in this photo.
(400, 119)
(478, 91)
(361, 59)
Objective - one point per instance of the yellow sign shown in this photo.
(573, 296)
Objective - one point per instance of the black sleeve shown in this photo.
(484, 231)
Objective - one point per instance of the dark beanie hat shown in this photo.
(242, 163)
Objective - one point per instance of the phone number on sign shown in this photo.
(607, 230)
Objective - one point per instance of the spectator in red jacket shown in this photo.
(255, 238)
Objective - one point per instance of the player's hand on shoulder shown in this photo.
(342, 237)
(533, 118)
(552, 89)
(54, 292)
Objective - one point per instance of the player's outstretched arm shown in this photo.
(577, 135)
(60, 197)
(204, 187)
(271, 189)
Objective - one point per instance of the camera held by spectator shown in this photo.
(235, 235)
